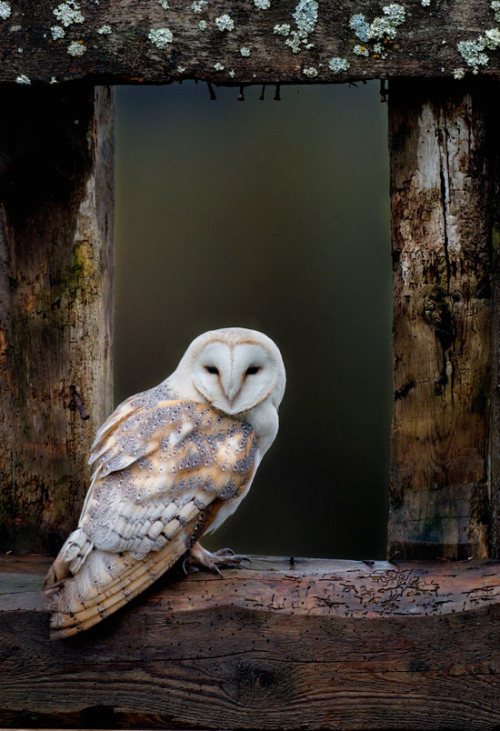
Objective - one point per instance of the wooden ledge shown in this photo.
(319, 644)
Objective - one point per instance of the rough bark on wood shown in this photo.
(56, 218)
(319, 645)
(495, 372)
(441, 138)
(137, 42)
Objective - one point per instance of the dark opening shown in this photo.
(271, 215)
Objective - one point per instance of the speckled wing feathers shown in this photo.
(163, 467)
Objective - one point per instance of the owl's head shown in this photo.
(234, 369)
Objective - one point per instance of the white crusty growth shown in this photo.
(170, 464)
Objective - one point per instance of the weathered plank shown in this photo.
(442, 142)
(56, 220)
(245, 41)
(318, 644)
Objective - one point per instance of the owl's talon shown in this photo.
(225, 557)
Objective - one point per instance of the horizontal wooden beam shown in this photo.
(315, 644)
(246, 41)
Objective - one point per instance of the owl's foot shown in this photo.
(213, 562)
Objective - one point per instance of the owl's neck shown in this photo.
(264, 419)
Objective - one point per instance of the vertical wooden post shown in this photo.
(56, 222)
(495, 373)
(441, 143)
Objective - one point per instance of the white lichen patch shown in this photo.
(164, 4)
(181, 69)
(23, 79)
(218, 66)
(311, 72)
(473, 54)
(395, 13)
(160, 37)
(57, 32)
(495, 6)
(306, 16)
(68, 13)
(385, 27)
(77, 48)
(492, 40)
(224, 22)
(104, 30)
(53, 80)
(245, 51)
(459, 73)
(198, 6)
(262, 4)
(5, 10)
(382, 30)
(378, 49)
(425, 3)
(337, 64)
(203, 25)
(282, 30)
(232, 73)
(360, 27)
(360, 50)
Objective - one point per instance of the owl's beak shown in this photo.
(231, 387)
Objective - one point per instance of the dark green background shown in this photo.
(275, 216)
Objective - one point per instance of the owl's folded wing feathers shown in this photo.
(163, 468)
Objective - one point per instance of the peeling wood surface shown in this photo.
(325, 644)
(138, 42)
(441, 141)
(56, 221)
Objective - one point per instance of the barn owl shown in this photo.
(170, 464)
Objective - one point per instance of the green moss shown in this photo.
(495, 237)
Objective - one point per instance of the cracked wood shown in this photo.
(442, 140)
(323, 645)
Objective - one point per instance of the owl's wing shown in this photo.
(163, 469)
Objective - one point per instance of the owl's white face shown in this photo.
(234, 369)
(234, 378)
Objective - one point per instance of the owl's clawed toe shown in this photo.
(213, 562)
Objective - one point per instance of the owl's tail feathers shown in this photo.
(105, 582)
(69, 560)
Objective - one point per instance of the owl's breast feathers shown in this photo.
(163, 469)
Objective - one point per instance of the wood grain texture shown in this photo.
(56, 220)
(441, 143)
(425, 43)
(325, 644)
(495, 374)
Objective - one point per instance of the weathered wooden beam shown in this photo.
(246, 41)
(319, 644)
(442, 144)
(56, 220)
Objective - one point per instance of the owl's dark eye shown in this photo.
(252, 370)
(212, 369)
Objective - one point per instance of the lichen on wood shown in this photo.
(286, 41)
